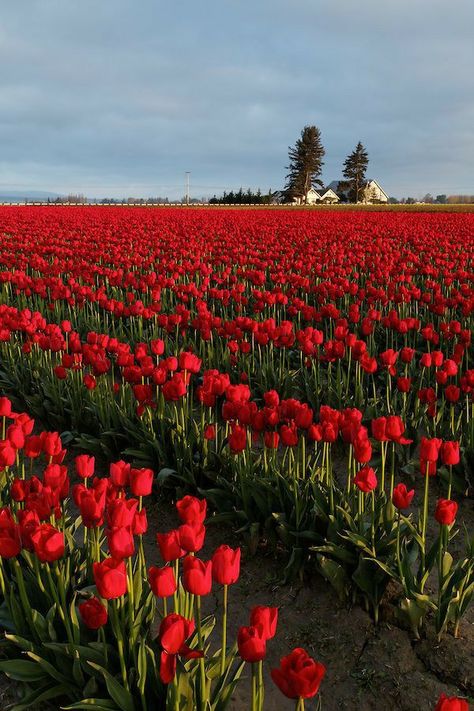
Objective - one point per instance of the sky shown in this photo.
(122, 97)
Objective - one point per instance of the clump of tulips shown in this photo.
(100, 626)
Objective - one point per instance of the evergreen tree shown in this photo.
(355, 167)
(306, 162)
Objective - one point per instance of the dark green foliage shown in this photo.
(306, 162)
(355, 167)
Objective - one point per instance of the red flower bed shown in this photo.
(301, 370)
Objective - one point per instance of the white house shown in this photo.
(313, 197)
(328, 196)
(372, 192)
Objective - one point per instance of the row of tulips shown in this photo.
(202, 423)
(238, 260)
(433, 388)
(96, 624)
(355, 528)
(83, 604)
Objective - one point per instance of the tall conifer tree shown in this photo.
(306, 162)
(355, 167)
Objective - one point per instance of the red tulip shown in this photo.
(237, 439)
(191, 537)
(93, 613)
(172, 636)
(10, 543)
(197, 575)
(192, 510)
(5, 407)
(446, 511)
(210, 432)
(120, 542)
(121, 513)
(451, 703)
(299, 676)
(91, 502)
(365, 479)
(52, 444)
(251, 643)
(170, 546)
(402, 498)
(110, 578)
(140, 523)
(429, 449)
(379, 426)
(162, 581)
(226, 565)
(48, 543)
(267, 617)
(85, 466)
(141, 481)
(449, 453)
(120, 473)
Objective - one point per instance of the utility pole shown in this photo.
(187, 186)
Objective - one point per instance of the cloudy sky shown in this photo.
(121, 97)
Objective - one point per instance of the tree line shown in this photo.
(241, 197)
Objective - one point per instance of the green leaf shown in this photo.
(335, 575)
(447, 563)
(49, 668)
(85, 653)
(6, 621)
(164, 474)
(336, 552)
(75, 622)
(25, 644)
(96, 704)
(22, 670)
(38, 695)
(40, 624)
(118, 693)
(142, 666)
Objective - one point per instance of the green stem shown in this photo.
(224, 631)
(120, 646)
(201, 660)
(261, 690)
(254, 687)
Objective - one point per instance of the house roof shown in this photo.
(335, 183)
(329, 192)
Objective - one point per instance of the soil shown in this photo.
(368, 668)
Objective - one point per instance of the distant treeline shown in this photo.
(242, 197)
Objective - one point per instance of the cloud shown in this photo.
(119, 96)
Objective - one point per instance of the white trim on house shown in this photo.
(329, 196)
(369, 196)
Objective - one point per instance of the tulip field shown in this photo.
(298, 384)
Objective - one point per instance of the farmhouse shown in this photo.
(372, 192)
(313, 197)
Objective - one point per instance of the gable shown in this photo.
(373, 184)
(329, 193)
